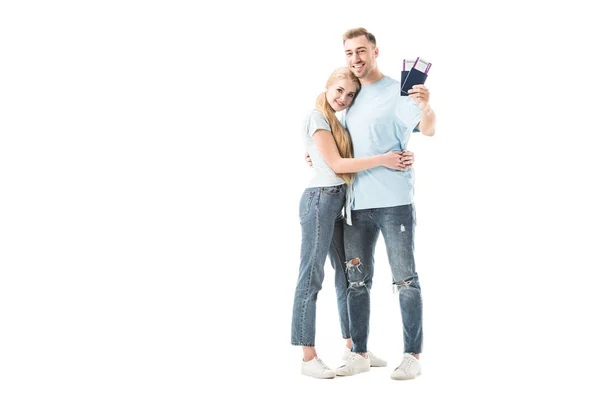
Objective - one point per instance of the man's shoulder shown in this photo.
(390, 80)
(389, 85)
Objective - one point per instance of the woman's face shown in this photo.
(341, 93)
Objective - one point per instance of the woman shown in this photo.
(321, 204)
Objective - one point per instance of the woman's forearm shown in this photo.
(350, 165)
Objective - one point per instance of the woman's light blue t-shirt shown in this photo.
(322, 174)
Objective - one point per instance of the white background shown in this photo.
(150, 173)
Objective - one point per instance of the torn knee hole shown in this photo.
(400, 285)
(357, 284)
(355, 262)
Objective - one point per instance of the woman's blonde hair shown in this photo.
(341, 137)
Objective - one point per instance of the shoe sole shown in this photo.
(405, 378)
(319, 377)
(356, 373)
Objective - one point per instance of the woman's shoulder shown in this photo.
(314, 113)
(315, 120)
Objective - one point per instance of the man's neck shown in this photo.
(372, 77)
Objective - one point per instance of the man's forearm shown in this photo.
(427, 124)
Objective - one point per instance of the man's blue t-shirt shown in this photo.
(381, 120)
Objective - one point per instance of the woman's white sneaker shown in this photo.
(373, 359)
(317, 369)
(409, 368)
(355, 365)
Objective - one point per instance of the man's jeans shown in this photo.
(322, 232)
(397, 224)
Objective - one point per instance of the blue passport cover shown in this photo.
(411, 78)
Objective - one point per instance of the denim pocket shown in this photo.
(334, 190)
(306, 202)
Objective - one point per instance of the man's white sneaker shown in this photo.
(317, 369)
(409, 368)
(355, 365)
(373, 359)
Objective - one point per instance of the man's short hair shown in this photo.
(356, 32)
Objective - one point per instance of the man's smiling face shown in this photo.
(360, 55)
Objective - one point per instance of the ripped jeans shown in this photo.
(322, 233)
(397, 225)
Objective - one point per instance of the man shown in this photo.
(382, 201)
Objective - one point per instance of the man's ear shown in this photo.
(376, 52)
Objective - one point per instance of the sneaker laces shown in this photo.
(350, 360)
(406, 363)
(322, 364)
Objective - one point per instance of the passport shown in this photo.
(416, 75)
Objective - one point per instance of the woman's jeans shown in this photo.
(322, 233)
